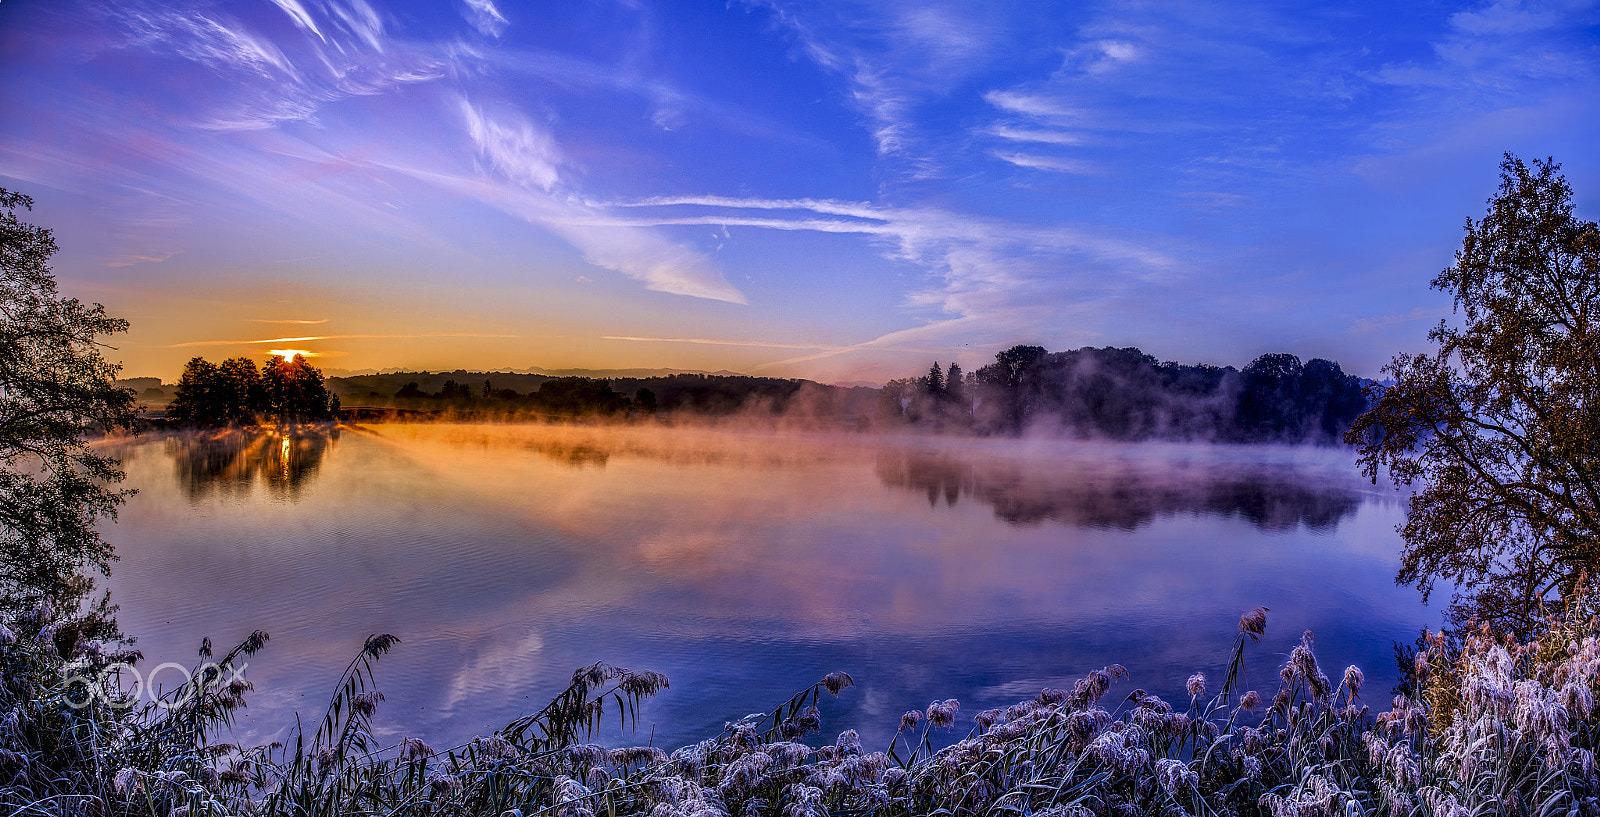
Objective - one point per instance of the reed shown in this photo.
(1491, 727)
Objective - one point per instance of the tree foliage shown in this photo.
(295, 392)
(1500, 424)
(1125, 394)
(55, 390)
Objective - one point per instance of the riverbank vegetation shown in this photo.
(1125, 394)
(1496, 715)
(1488, 726)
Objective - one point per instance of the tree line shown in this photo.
(692, 394)
(236, 392)
(1125, 394)
(570, 396)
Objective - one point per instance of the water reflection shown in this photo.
(235, 461)
(580, 454)
(1123, 494)
(742, 565)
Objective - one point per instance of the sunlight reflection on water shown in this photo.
(744, 566)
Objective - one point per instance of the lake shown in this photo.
(745, 565)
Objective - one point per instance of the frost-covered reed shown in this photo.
(1488, 727)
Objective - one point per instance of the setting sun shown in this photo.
(289, 355)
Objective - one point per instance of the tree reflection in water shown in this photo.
(235, 461)
(1125, 494)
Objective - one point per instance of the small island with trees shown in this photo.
(284, 391)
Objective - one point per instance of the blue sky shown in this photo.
(832, 190)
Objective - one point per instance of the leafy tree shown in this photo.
(1330, 399)
(580, 395)
(955, 387)
(1010, 380)
(198, 399)
(244, 391)
(1500, 424)
(1269, 403)
(55, 390)
(295, 391)
(211, 396)
(645, 399)
(933, 383)
(894, 399)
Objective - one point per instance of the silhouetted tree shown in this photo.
(955, 391)
(1010, 383)
(645, 399)
(1270, 399)
(295, 391)
(411, 391)
(55, 390)
(894, 399)
(580, 395)
(1331, 399)
(1125, 394)
(1500, 425)
(245, 392)
(201, 398)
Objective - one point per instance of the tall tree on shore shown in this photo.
(55, 390)
(1500, 424)
(295, 391)
(212, 395)
(955, 391)
(1010, 379)
(933, 384)
(199, 399)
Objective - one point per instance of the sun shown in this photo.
(289, 355)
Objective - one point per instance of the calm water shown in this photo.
(745, 566)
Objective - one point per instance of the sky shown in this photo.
(833, 190)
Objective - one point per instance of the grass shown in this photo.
(1517, 739)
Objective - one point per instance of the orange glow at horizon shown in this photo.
(289, 355)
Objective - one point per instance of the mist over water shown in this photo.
(744, 565)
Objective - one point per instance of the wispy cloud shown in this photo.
(485, 17)
(1051, 163)
(896, 57)
(985, 277)
(1038, 135)
(346, 54)
(279, 81)
(130, 260)
(301, 18)
(265, 320)
(759, 344)
(514, 147)
(630, 248)
(335, 337)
